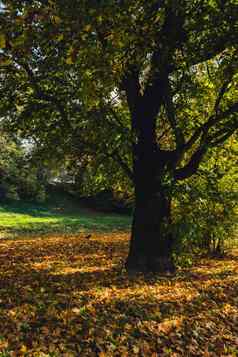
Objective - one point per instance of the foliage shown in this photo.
(18, 175)
(68, 296)
(79, 79)
(205, 213)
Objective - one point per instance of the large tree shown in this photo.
(161, 58)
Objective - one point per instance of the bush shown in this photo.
(205, 214)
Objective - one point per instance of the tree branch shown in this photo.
(192, 166)
(169, 106)
(131, 85)
(219, 44)
(161, 62)
(222, 135)
(117, 119)
(123, 165)
(206, 142)
(213, 120)
(221, 93)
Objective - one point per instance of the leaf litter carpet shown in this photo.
(70, 296)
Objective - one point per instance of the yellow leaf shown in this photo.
(71, 55)
(2, 40)
(56, 19)
(157, 18)
(52, 3)
(5, 61)
(102, 354)
(99, 19)
(23, 349)
(136, 349)
(87, 28)
(69, 60)
(60, 37)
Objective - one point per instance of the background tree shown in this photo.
(156, 57)
(18, 173)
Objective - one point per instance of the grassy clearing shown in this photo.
(60, 217)
(69, 296)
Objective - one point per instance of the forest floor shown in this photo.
(68, 295)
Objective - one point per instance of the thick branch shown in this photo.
(115, 154)
(212, 121)
(223, 134)
(192, 166)
(166, 131)
(206, 142)
(220, 95)
(169, 106)
(214, 48)
(131, 85)
(223, 138)
(170, 37)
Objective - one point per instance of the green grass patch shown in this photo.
(17, 217)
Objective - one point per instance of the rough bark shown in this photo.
(151, 239)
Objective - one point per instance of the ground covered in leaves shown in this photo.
(69, 296)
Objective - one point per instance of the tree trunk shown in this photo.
(151, 239)
(151, 236)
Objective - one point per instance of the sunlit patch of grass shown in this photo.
(25, 218)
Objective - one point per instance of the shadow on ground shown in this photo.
(70, 296)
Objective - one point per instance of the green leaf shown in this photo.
(5, 61)
(2, 40)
